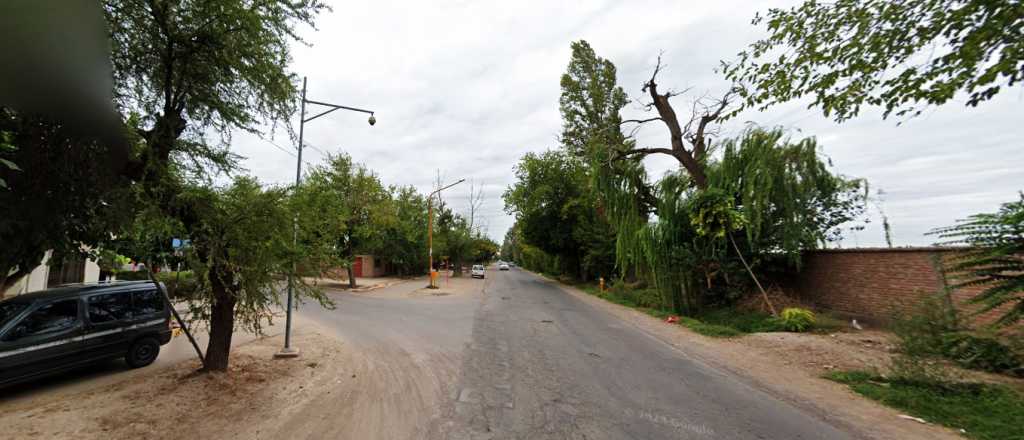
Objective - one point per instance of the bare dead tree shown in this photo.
(476, 201)
(689, 142)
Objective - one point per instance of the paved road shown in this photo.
(525, 360)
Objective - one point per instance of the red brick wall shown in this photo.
(870, 283)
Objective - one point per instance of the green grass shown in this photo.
(741, 321)
(984, 411)
(719, 323)
(712, 330)
(723, 324)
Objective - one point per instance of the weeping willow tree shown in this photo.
(701, 232)
(767, 199)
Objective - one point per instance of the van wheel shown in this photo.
(143, 352)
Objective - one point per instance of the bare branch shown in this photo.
(699, 138)
(657, 68)
(640, 121)
(644, 152)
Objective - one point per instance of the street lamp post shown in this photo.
(288, 350)
(430, 232)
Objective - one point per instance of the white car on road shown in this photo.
(477, 271)
(503, 266)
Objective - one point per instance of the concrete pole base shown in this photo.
(286, 353)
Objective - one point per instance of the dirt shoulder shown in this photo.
(260, 397)
(789, 366)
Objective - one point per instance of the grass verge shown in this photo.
(983, 411)
(721, 323)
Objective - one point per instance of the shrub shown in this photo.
(921, 328)
(140, 275)
(980, 353)
(795, 319)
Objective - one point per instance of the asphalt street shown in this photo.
(518, 357)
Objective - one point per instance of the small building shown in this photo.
(75, 269)
(368, 266)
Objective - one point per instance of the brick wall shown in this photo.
(870, 283)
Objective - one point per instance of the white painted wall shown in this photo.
(36, 280)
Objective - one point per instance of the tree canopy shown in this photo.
(901, 56)
(57, 198)
(557, 211)
(350, 205)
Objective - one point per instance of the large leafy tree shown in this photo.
(402, 237)
(57, 198)
(899, 55)
(239, 246)
(557, 211)
(353, 206)
(188, 69)
(191, 68)
(993, 261)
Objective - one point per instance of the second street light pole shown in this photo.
(430, 232)
(288, 350)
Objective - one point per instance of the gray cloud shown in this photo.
(466, 88)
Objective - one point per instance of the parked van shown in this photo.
(53, 330)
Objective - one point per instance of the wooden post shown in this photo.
(181, 322)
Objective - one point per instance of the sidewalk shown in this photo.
(362, 284)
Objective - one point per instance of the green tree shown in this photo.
(901, 55)
(484, 249)
(994, 259)
(777, 196)
(187, 69)
(241, 248)
(403, 232)
(352, 206)
(59, 198)
(590, 101)
(453, 237)
(557, 211)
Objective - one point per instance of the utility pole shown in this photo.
(430, 232)
(288, 350)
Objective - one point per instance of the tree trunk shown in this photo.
(351, 267)
(222, 326)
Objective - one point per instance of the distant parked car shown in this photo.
(477, 271)
(503, 266)
(53, 330)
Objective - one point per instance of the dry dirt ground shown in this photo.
(362, 284)
(790, 366)
(259, 398)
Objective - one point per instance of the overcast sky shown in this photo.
(465, 88)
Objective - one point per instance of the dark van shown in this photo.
(57, 329)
